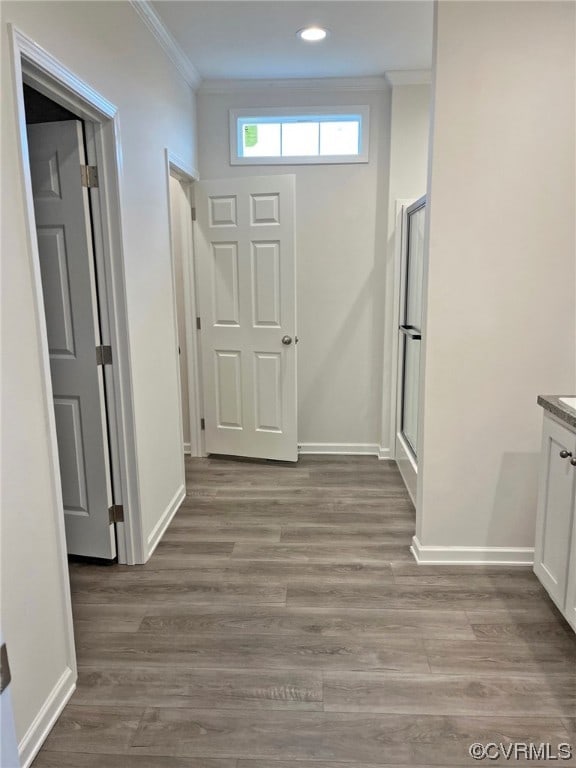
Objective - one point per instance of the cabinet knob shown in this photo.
(573, 461)
(564, 454)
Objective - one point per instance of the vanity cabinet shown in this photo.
(555, 549)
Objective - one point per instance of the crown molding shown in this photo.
(146, 11)
(409, 76)
(324, 85)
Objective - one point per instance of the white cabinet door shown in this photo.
(555, 510)
(570, 609)
(247, 296)
(68, 283)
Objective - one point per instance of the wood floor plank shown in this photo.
(533, 631)
(108, 617)
(302, 622)
(512, 695)
(270, 652)
(457, 657)
(184, 546)
(342, 534)
(212, 688)
(276, 572)
(323, 736)
(410, 596)
(543, 611)
(90, 760)
(224, 532)
(318, 553)
(107, 729)
(170, 586)
(256, 763)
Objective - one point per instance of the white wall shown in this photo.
(107, 45)
(341, 223)
(501, 303)
(409, 133)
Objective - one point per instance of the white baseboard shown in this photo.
(385, 454)
(344, 449)
(44, 721)
(165, 520)
(187, 449)
(471, 555)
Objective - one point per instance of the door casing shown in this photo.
(34, 66)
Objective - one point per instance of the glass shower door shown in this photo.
(410, 328)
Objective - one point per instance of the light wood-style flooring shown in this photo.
(282, 623)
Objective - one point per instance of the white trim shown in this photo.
(181, 170)
(19, 43)
(46, 717)
(345, 449)
(53, 79)
(322, 85)
(471, 555)
(174, 330)
(146, 12)
(26, 47)
(187, 449)
(409, 76)
(165, 520)
(407, 466)
(385, 454)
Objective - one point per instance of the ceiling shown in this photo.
(233, 39)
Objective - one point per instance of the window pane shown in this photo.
(299, 139)
(339, 138)
(261, 140)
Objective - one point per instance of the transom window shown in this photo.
(290, 136)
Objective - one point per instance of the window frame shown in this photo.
(279, 112)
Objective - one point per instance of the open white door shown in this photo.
(247, 297)
(68, 284)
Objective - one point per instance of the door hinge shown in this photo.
(202, 424)
(103, 355)
(116, 513)
(198, 324)
(89, 175)
(193, 209)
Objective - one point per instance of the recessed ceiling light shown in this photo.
(312, 34)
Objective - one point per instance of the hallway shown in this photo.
(283, 623)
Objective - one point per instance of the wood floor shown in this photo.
(282, 623)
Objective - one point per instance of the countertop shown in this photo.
(560, 410)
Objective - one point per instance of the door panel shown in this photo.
(266, 284)
(410, 327)
(246, 286)
(68, 283)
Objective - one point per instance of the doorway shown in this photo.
(93, 123)
(409, 342)
(72, 296)
(182, 211)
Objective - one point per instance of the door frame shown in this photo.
(38, 68)
(187, 175)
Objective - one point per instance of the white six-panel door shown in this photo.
(247, 298)
(68, 284)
